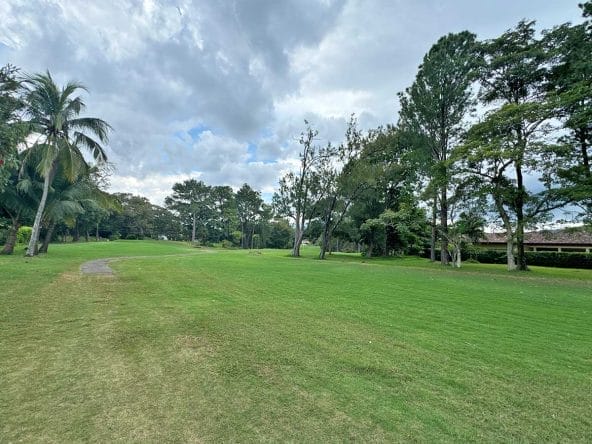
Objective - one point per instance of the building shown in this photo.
(566, 240)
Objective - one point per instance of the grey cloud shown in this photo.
(247, 71)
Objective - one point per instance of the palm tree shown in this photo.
(61, 134)
(70, 199)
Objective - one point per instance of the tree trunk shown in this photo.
(369, 250)
(86, 235)
(521, 257)
(297, 242)
(97, 232)
(193, 228)
(434, 228)
(508, 226)
(47, 238)
(444, 226)
(326, 238)
(11, 238)
(457, 258)
(298, 234)
(510, 252)
(76, 237)
(32, 247)
(584, 151)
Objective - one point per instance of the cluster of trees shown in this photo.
(47, 182)
(217, 214)
(501, 128)
(45, 178)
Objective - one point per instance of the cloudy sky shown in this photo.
(219, 89)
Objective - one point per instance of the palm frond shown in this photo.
(96, 150)
(93, 125)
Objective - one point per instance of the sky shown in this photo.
(219, 90)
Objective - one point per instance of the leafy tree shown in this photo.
(248, 204)
(166, 223)
(281, 234)
(373, 235)
(12, 128)
(511, 140)
(570, 92)
(135, 220)
(390, 169)
(434, 109)
(341, 178)
(61, 135)
(298, 194)
(225, 211)
(191, 200)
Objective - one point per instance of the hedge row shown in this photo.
(545, 259)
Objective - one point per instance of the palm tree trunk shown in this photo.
(32, 247)
(47, 239)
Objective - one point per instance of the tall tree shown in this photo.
(299, 192)
(224, 207)
(435, 106)
(511, 139)
(342, 177)
(569, 88)
(248, 204)
(61, 135)
(191, 200)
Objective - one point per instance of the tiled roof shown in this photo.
(549, 237)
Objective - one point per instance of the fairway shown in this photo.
(190, 345)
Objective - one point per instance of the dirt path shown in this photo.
(97, 267)
(100, 267)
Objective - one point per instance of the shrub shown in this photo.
(488, 256)
(544, 259)
(560, 260)
(23, 235)
(227, 244)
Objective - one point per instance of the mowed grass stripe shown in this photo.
(236, 346)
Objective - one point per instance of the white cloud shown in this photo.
(247, 72)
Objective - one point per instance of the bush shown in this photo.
(227, 244)
(543, 259)
(487, 256)
(23, 235)
(560, 260)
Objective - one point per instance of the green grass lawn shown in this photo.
(198, 345)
